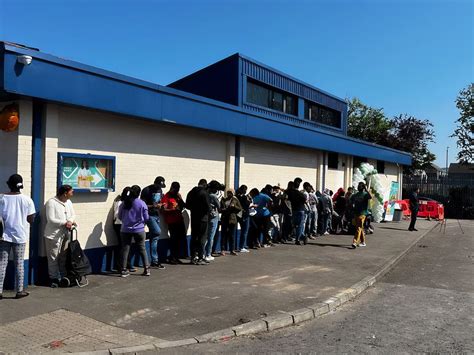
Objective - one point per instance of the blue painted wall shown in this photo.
(218, 81)
(56, 80)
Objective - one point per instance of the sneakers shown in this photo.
(244, 250)
(194, 261)
(326, 233)
(353, 246)
(21, 294)
(233, 253)
(209, 258)
(124, 273)
(202, 262)
(157, 265)
(362, 245)
(54, 283)
(146, 272)
(132, 269)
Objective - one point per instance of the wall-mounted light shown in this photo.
(24, 59)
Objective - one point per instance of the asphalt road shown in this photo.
(425, 304)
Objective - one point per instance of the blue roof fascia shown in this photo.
(58, 80)
(79, 66)
(291, 77)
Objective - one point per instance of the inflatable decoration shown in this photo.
(9, 118)
(368, 174)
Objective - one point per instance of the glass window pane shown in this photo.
(290, 105)
(277, 101)
(257, 94)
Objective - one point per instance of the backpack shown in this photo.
(77, 264)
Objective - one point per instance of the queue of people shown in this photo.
(266, 217)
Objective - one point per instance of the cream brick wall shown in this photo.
(15, 148)
(270, 163)
(390, 174)
(143, 150)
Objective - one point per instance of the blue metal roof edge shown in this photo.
(290, 77)
(158, 88)
(80, 66)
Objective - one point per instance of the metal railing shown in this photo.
(455, 193)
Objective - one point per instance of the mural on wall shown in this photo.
(368, 174)
(392, 198)
(83, 172)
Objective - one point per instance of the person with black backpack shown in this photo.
(134, 214)
(60, 220)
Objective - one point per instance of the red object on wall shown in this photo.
(9, 118)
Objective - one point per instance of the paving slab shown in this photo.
(185, 301)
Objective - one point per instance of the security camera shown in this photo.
(24, 59)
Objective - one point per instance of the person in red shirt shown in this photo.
(172, 208)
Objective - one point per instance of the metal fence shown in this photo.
(456, 194)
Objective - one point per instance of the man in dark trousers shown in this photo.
(199, 204)
(414, 207)
(297, 200)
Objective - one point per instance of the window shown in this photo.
(321, 114)
(262, 95)
(357, 161)
(333, 160)
(380, 166)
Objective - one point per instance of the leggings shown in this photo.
(18, 257)
(139, 238)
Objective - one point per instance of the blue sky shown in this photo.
(406, 56)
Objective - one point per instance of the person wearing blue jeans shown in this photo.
(297, 200)
(244, 224)
(152, 195)
(211, 232)
(244, 220)
(299, 221)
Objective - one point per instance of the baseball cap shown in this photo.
(15, 180)
(160, 181)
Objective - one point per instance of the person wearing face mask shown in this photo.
(60, 219)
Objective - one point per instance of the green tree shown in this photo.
(465, 125)
(412, 135)
(367, 123)
(402, 132)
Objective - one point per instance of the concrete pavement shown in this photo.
(184, 301)
(424, 305)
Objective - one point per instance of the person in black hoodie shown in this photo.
(197, 201)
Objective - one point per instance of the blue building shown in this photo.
(237, 121)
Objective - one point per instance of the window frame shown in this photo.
(272, 92)
(309, 106)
